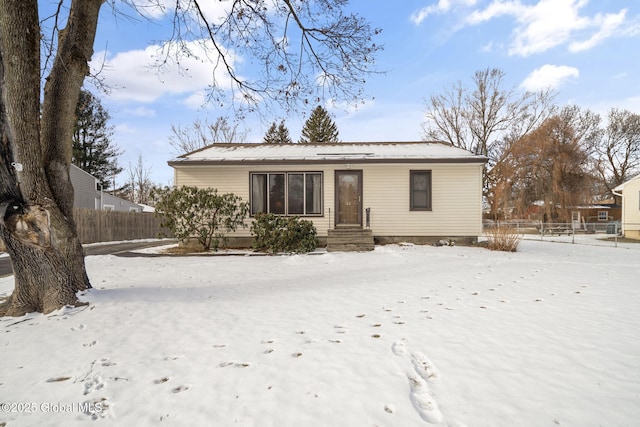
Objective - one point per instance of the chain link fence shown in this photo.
(583, 233)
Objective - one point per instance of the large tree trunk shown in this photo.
(36, 196)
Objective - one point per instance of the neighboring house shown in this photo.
(630, 192)
(404, 191)
(87, 194)
(604, 211)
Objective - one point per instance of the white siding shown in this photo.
(456, 199)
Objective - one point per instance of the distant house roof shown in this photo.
(369, 152)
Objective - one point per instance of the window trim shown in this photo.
(429, 175)
(286, 192)
(604, 217)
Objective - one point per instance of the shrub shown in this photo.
(503, 239)
(274, 233)
(200, 213)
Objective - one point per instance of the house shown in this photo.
(87, 194)
(392, 191)
(630, 192)
(602, 212)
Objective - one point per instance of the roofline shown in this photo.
(335, 161)
(621, 186)
(318, 144)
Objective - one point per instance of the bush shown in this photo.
(274, 233)
(200, 213)
(503, 239)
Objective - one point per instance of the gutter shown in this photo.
(623, 208)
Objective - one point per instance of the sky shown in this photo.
(586, 51)
(404, 335)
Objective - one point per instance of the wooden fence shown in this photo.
(109, 226)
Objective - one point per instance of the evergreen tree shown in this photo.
(277, 134)
(93, 151)
(319, 128)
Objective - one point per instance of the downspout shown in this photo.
(623, 208)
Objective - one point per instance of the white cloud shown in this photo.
(141, 112)
(443, 6)
(549, 76)
(550, 23)
(608, 25)
(196, 100)
(143, 76)
(125, 128)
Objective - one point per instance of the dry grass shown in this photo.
(503, 239)
(184, 250)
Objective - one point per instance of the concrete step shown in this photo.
(349, 240)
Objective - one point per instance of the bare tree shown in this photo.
(479, 117)
(551, 164)
(618, 151)
(199, 135)
(335, 53)
(310, 49)
(485, 119)
(139, 182)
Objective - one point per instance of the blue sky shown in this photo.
(587, 51)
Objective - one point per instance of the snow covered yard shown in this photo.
(402, 336)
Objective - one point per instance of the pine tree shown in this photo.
(319, 128)
(277, 134)
(93, 151)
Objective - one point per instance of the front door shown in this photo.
(349, 198)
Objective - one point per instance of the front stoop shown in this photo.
(349, 240)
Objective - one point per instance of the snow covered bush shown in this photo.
(275, 233)
(503, 239)
(200, 213)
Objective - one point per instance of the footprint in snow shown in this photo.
(78, 328)
(234, 364)
(180, 388)
(94, 384)
(398, 348)
(423, 401)
(97, 408)
(425, 368)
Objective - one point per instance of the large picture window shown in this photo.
(420, 190)
(286, 193)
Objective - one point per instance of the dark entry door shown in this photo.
(349, 198)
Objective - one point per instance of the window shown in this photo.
(286, 193)
(603, 215)
(420, 189)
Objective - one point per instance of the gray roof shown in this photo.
(368, 152)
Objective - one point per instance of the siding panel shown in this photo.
(456, 198)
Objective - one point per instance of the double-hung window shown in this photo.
(420, 190)
(286, 193)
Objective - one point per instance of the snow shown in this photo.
(330, 152)
(402, 336)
